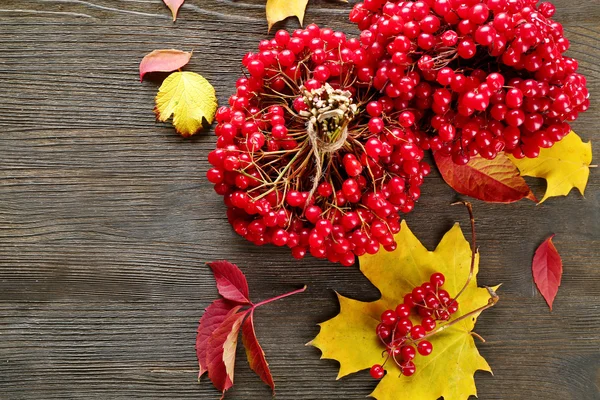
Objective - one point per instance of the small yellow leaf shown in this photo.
(564, 166)
(278, 10)
(189, 98)
(350, 336)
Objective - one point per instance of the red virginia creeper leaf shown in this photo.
(547, 270)
(213, 317)
(220, 355)
(174, 6)
(255, 353)
(231, 282)
(494, 181)
(164, 60)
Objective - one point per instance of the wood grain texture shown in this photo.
(106, 222)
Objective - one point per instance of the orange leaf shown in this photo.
(174, 6)
(547, 270)
(255, 353)
(494, 181)
(165, 60)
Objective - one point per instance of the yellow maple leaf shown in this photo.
(564, 166)
(350, 336)
(278, 10)
(189, 98)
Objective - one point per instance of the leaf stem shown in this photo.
(281, 296)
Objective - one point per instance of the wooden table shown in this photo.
(106, 221)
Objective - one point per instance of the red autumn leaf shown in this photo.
(547, 270)
(220, 355)
(231, 282)
(174, 6)
(494, 181)
(218, 329)
(164, 60)
(213, 317)
(255, 353)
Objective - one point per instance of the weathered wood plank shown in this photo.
(106, 221)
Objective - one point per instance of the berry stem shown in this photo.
(491, 302)
(473, 245)
(478, 336)
(281, 296)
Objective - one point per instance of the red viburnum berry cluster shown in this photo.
(480, 76)
(402, 338)
(299, 162)
(322, 143)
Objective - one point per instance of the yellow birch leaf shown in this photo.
(564, 166)
(189, 98)
(278, 10)
(350, 336)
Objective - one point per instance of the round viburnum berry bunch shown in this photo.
(480, 76)
(306, 159)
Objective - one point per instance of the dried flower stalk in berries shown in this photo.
(306, 158)
(480, 76)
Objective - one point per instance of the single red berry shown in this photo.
(377, 371)
(425, 312)
(437, 279)
(402, 311)
(408, 368)
(374, 147)
(389, 317)
(404, 326)
(443, 295)
(383, 331)
(442, 315)
(428, 323)
(428, 288)
(324, 189)
(418, 295)
(376, 125)
(424, 347)
(374, 108)
(431, 301)
(417, 332)
(408, 353)
(408, 300)
(452, 307)
(256, 68)
(395, 351)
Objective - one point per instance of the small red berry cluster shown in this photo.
(480, 76)
(402, 338)
(299, 161)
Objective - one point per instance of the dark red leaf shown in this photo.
(547, 270)
(255, 353)
(165, 60)
(220, 354)
(231, 282)
(494, 181)
(213, 317)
